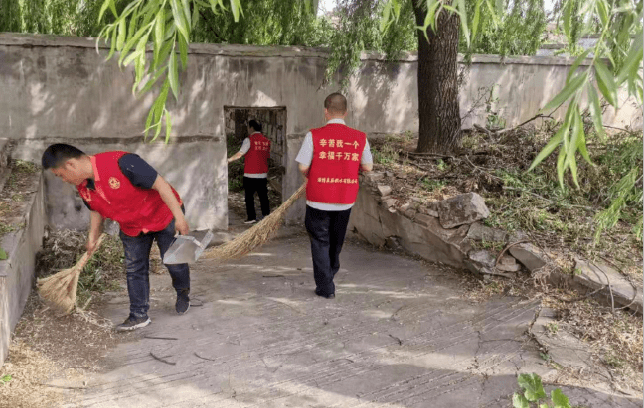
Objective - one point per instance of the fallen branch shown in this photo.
(508, 246)
(160, 338)
(162, 360)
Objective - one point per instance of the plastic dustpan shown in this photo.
(187, 248)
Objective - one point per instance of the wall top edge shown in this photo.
(276, 51)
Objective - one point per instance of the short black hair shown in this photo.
(336, 104)
(255, 125)
(59, 153)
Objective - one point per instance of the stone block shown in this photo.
(508, 268)
(481, 262)
(507, 260)
(424, 219)
(529, 255)
(462, 209)
(387, 202)
(372, 177)
(593, 276)
(410, 213)
(383, 190)
(480, 232)
(428, 211)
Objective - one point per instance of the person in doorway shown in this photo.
(331, 158)
(125, 188)
(256, 150)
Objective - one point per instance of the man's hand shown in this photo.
(181, 226)
(91, 244)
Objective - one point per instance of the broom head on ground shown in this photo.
(59, 289)
(255, 236)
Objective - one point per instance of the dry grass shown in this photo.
(63, 249)
(59, 290)
(22, 377)
(257, 235)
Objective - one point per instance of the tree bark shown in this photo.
(439, 129)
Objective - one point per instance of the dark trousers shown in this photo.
(137, 267)
(327, 230)
(259, 185)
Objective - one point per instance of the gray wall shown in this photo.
(57, 89)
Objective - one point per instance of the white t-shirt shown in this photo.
(245, 147)
(305, 157)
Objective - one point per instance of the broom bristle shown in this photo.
(257, 235)
(59, 290)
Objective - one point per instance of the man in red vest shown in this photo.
(123, 187)
(331, 158)
(256, 149)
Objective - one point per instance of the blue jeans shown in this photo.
(137, 267)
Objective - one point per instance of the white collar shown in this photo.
(340, 121)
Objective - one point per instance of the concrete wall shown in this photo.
(59, 89)
(18, 271)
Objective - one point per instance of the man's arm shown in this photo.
(168, 197)
(95, 230)
(366, 163)
(366, 167)
(245, 147)
(234, 157)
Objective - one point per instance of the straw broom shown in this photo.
(60, 289)
(256, 235)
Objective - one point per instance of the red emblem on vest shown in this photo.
(114, 183)
(86, 196)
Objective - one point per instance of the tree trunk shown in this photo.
(439, 129)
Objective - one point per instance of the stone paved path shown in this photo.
(397, 335)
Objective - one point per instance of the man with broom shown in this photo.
(331, 158)
(125, 188)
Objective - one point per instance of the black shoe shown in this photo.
(183, 301)
(132, 323)
(329, 296)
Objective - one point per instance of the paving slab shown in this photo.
(398, 334)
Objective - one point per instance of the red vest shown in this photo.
(256, 158)
(337, 151)
(135, 209)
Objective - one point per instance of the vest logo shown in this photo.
(86, 195)
(114, 183)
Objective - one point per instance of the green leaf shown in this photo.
(236, 8)
(519, 401)
(550, 146)
(576, 64)
(606, 82)
(179, 19)
(122, 32)
(602, 11)
(183, 49)
(104, 7)
(3, 254)
(532, 385)
(595, 110)
(544, 406)
(561, 168)
(568, 91)
(186, 12)
(581, 145)
(168, 126)
(633, 60)
(173, 74)
(477, 16)
(567, 17)
(559, 399)
(463, 14)
(159, 32)
(151, 81)
(6, 378)
(112, 44)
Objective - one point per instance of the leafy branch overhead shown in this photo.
(166, 25)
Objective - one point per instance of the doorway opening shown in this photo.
(273, 121)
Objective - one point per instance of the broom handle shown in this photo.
(81, 264)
